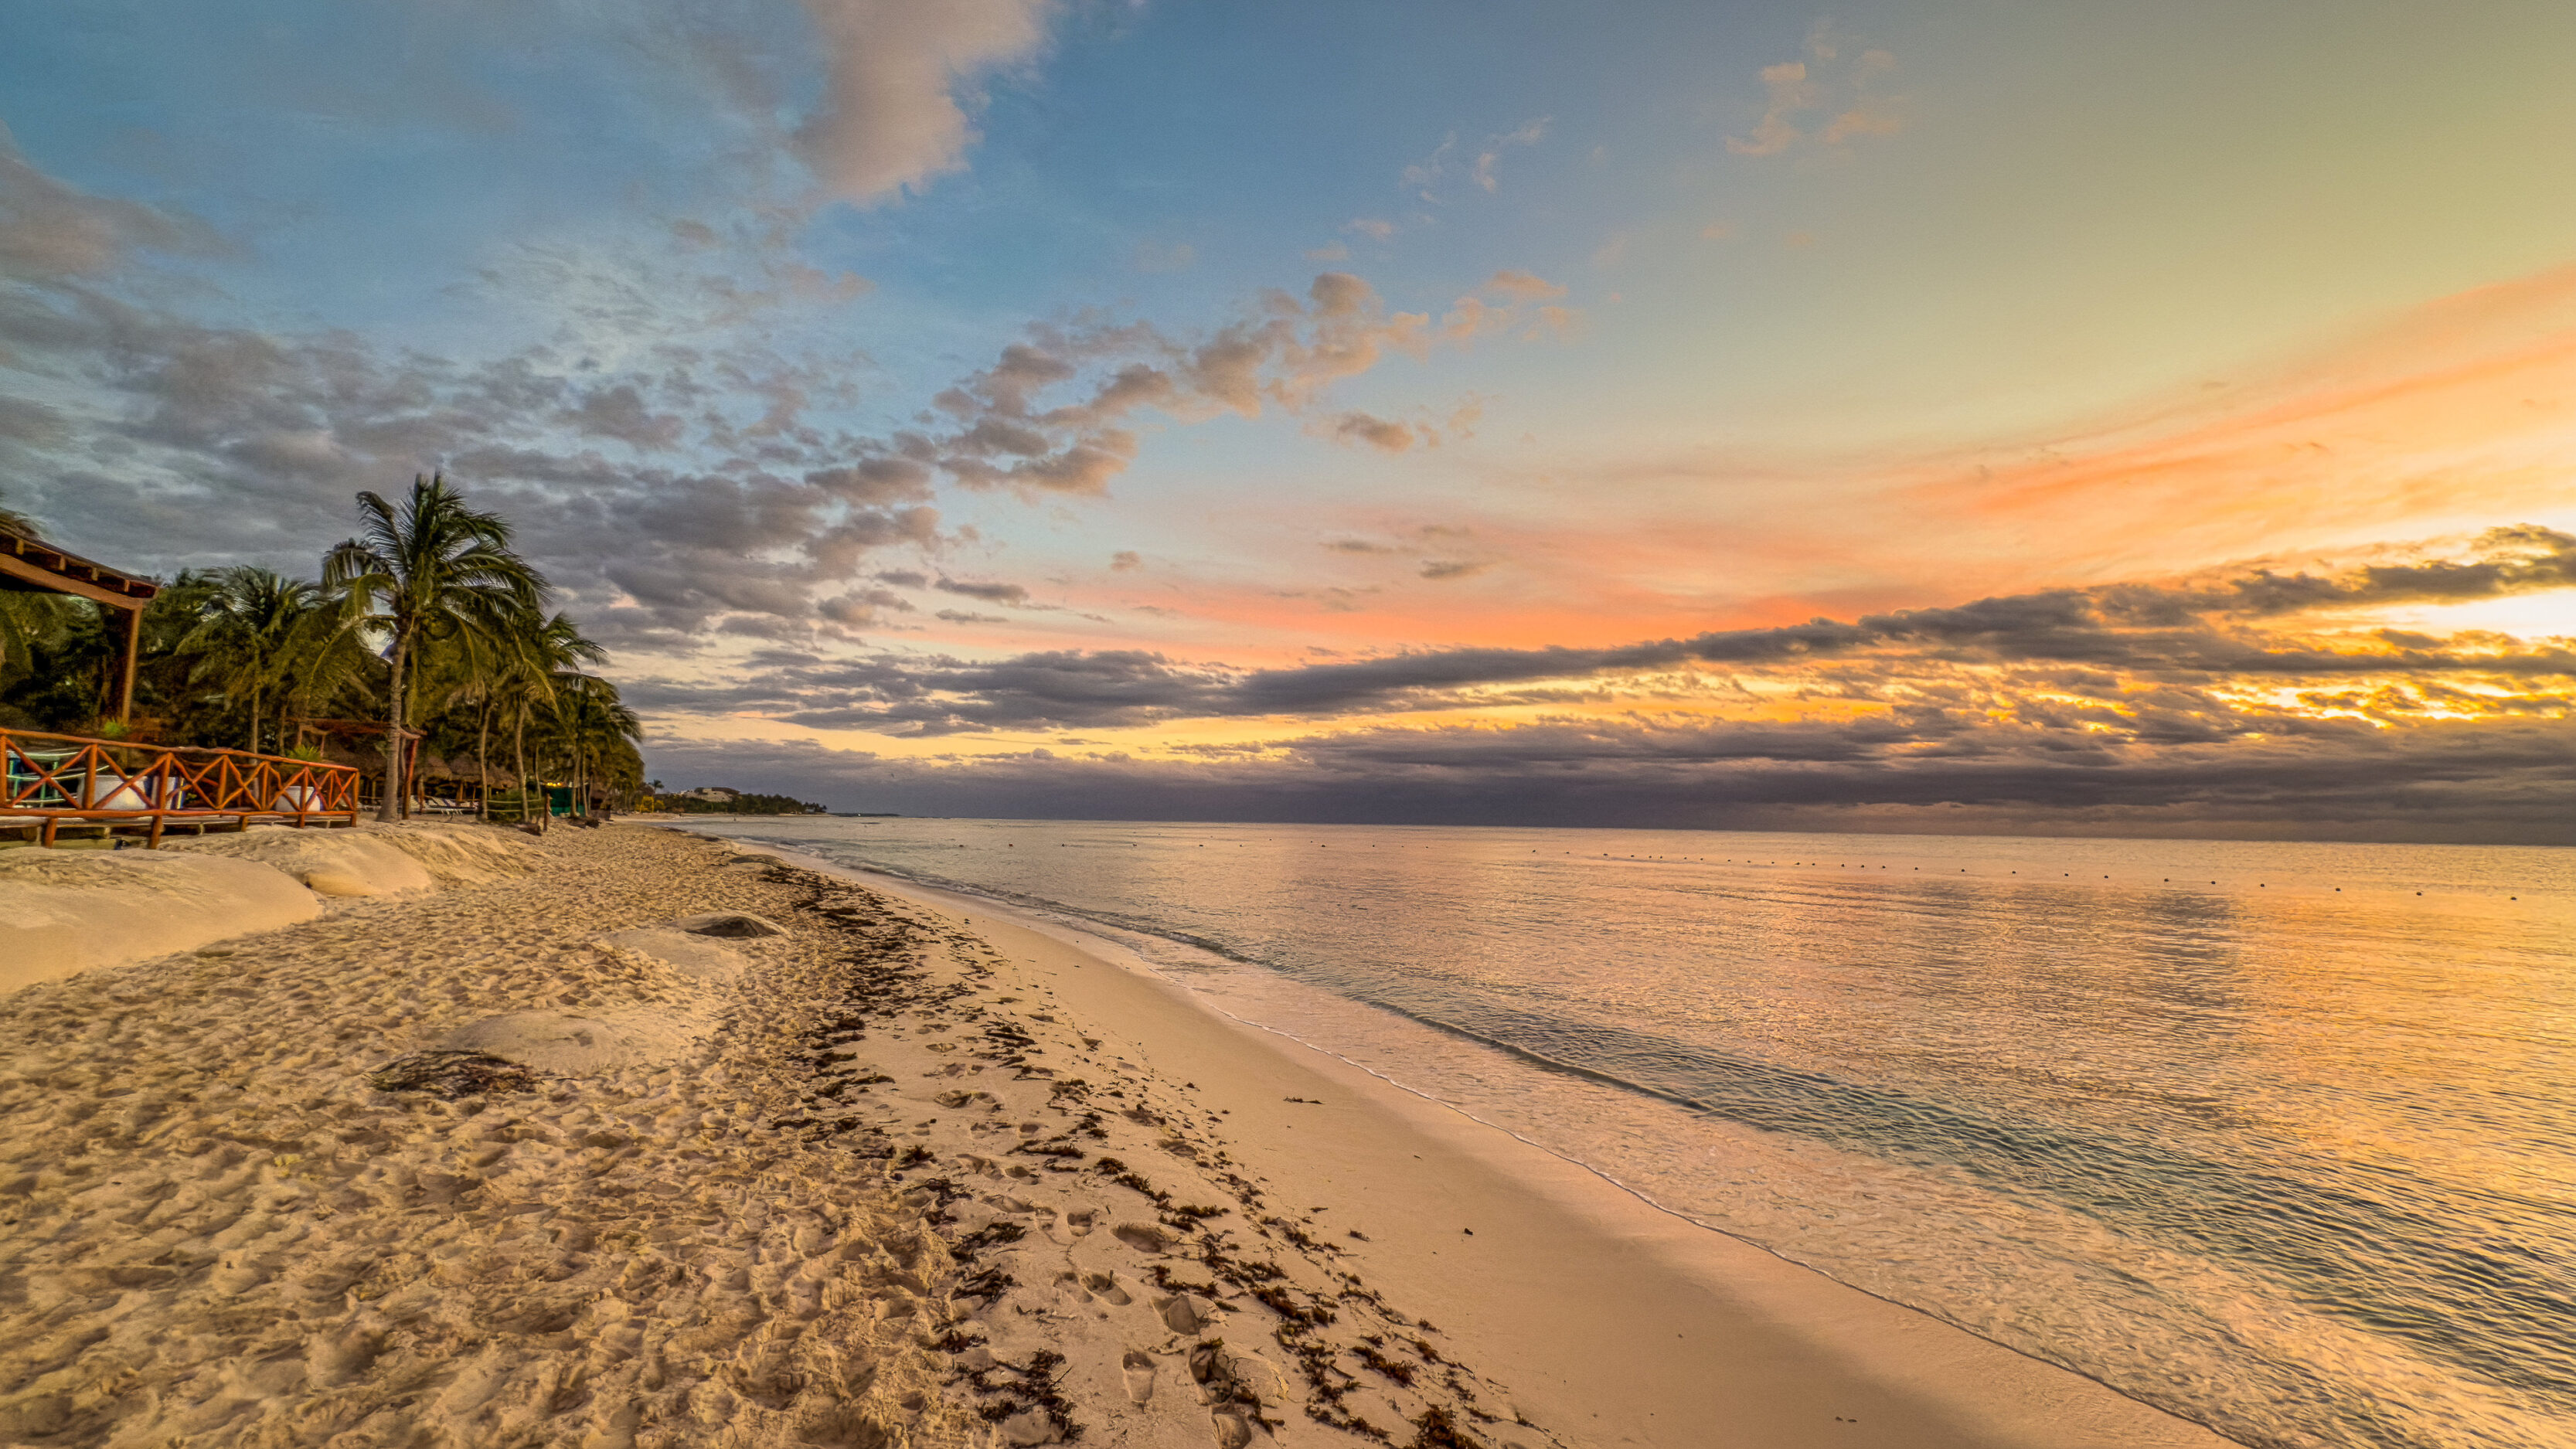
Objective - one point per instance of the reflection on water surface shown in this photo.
(2277, 1136)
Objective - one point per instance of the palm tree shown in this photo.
(478, 672)
(591, 725)
(324, 657)
(425, 570)
(26, 619)
(538, 659)
(245, 637)
(26, 622)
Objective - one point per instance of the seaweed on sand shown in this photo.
(1219, 1385)
(1034, 1385)
(986, 1285)
(1372, 1351)
(450, 1075)
(998, 1233)
(1434, 1429)
(932, 1195)
(1119, 1173)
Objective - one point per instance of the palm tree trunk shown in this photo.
(391, 809)
(254, 719)
(519, 747)
(482, 765)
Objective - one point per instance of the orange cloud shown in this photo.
(2449, 416)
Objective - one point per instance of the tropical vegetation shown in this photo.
(425, 625)
(730, 802)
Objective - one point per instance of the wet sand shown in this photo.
(1606, 1320)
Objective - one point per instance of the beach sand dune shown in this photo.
(219, 1230)
(64, 911)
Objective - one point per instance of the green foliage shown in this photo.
(257, 631)
(739, 805)
(429, 571)
(425, 616)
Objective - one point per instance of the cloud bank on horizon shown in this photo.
(1899, 418)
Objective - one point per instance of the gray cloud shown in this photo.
(671, 496)
(1439, 569)
(993, 429)
(50, 231)
(2144, 627)
(915, 694)
(2062, 663)
(619, 413)
(2449, 782)
(1380, 433)
(991, 593)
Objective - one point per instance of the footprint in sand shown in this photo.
(1075, 1223)
(1231, 1431)
(1138, 1371)
(1143, 1237)
(1212, 1371)
(1185, 1313)
(1106, 1286)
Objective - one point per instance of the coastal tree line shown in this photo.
(425, 622)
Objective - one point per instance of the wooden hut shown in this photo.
(29, 565)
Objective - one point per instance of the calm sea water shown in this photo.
(2279, 1137)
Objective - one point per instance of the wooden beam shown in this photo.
(15, 567)
(133, 656)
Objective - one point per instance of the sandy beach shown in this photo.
(631, 1137)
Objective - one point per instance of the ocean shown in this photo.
(2278, 1137)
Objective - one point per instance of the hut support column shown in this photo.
(125, 670)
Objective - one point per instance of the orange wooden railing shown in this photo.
(69, 777)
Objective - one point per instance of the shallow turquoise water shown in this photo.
(2280, 1137)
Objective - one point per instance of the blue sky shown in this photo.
(1650, 320)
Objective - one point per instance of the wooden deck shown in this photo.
(65, 788)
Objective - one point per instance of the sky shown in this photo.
(2062, 418)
